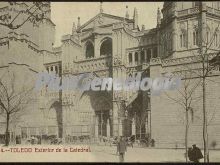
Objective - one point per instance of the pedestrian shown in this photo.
(195, 154)
(190, 154)
(121, 148)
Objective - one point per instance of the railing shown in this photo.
(194, 10)
(182, 12)
(209, 9)
(52, 94)
(217, 12)
(3, 9)
(188, 11)
(91, 65)
(213, 11)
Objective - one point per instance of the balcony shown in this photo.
(188, 11)
(92, 64)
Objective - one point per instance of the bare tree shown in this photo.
(34, 13)
(13, 101)
(204, 58)
(185, 98)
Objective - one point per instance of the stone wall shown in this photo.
(168, 116)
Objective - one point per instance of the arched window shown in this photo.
(142, 56)
(195, 37)
(136, 57)
(155, 53)
(148, 55)
(48, 69)
(106, 47)
(89, 50)
(183, 39)
(130, 57)
(208, 35)
(56, 69)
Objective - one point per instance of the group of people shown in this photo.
(194, 153)
(122, 147)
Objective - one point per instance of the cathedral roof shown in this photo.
(106, 18)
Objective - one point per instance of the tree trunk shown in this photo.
(7, 135)
(186, 134)
(205, 134)
(140, 131)
(203, 49)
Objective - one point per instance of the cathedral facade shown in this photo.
(116, 47)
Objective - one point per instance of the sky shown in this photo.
(63, 14)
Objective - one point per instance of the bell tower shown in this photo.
(185, 24)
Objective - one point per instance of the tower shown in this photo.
(74, 28)
(158, 17)
(78, 24)
(127, 14)
(135, 18)
(101, 9)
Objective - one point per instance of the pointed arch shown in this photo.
(195, 36)
(106, 47)
(89, 49)
(183, 38)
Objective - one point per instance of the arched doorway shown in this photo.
(57, 106)
(137, 116)
(99, 105)
(102, 107)
(106, 47)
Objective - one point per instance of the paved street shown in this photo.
(98, 154)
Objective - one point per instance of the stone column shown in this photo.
(115, 119)
(133, 58)
(174, 36)
(139, 57)
(57, 132)
(54, 68)
(189, 36)
(145, 55)
(96, 126)
(203, 27)
(28, 132)
(133, 131)
(37, 131)
(120, 128)
(97, 47)
(46, 130)
(108, 128)
(120, 44)
(114, 43)
(151, 53)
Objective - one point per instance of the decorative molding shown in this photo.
(117, 61)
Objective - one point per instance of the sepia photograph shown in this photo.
(110, 81)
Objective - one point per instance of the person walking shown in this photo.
(195, 154)
(121, 148)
